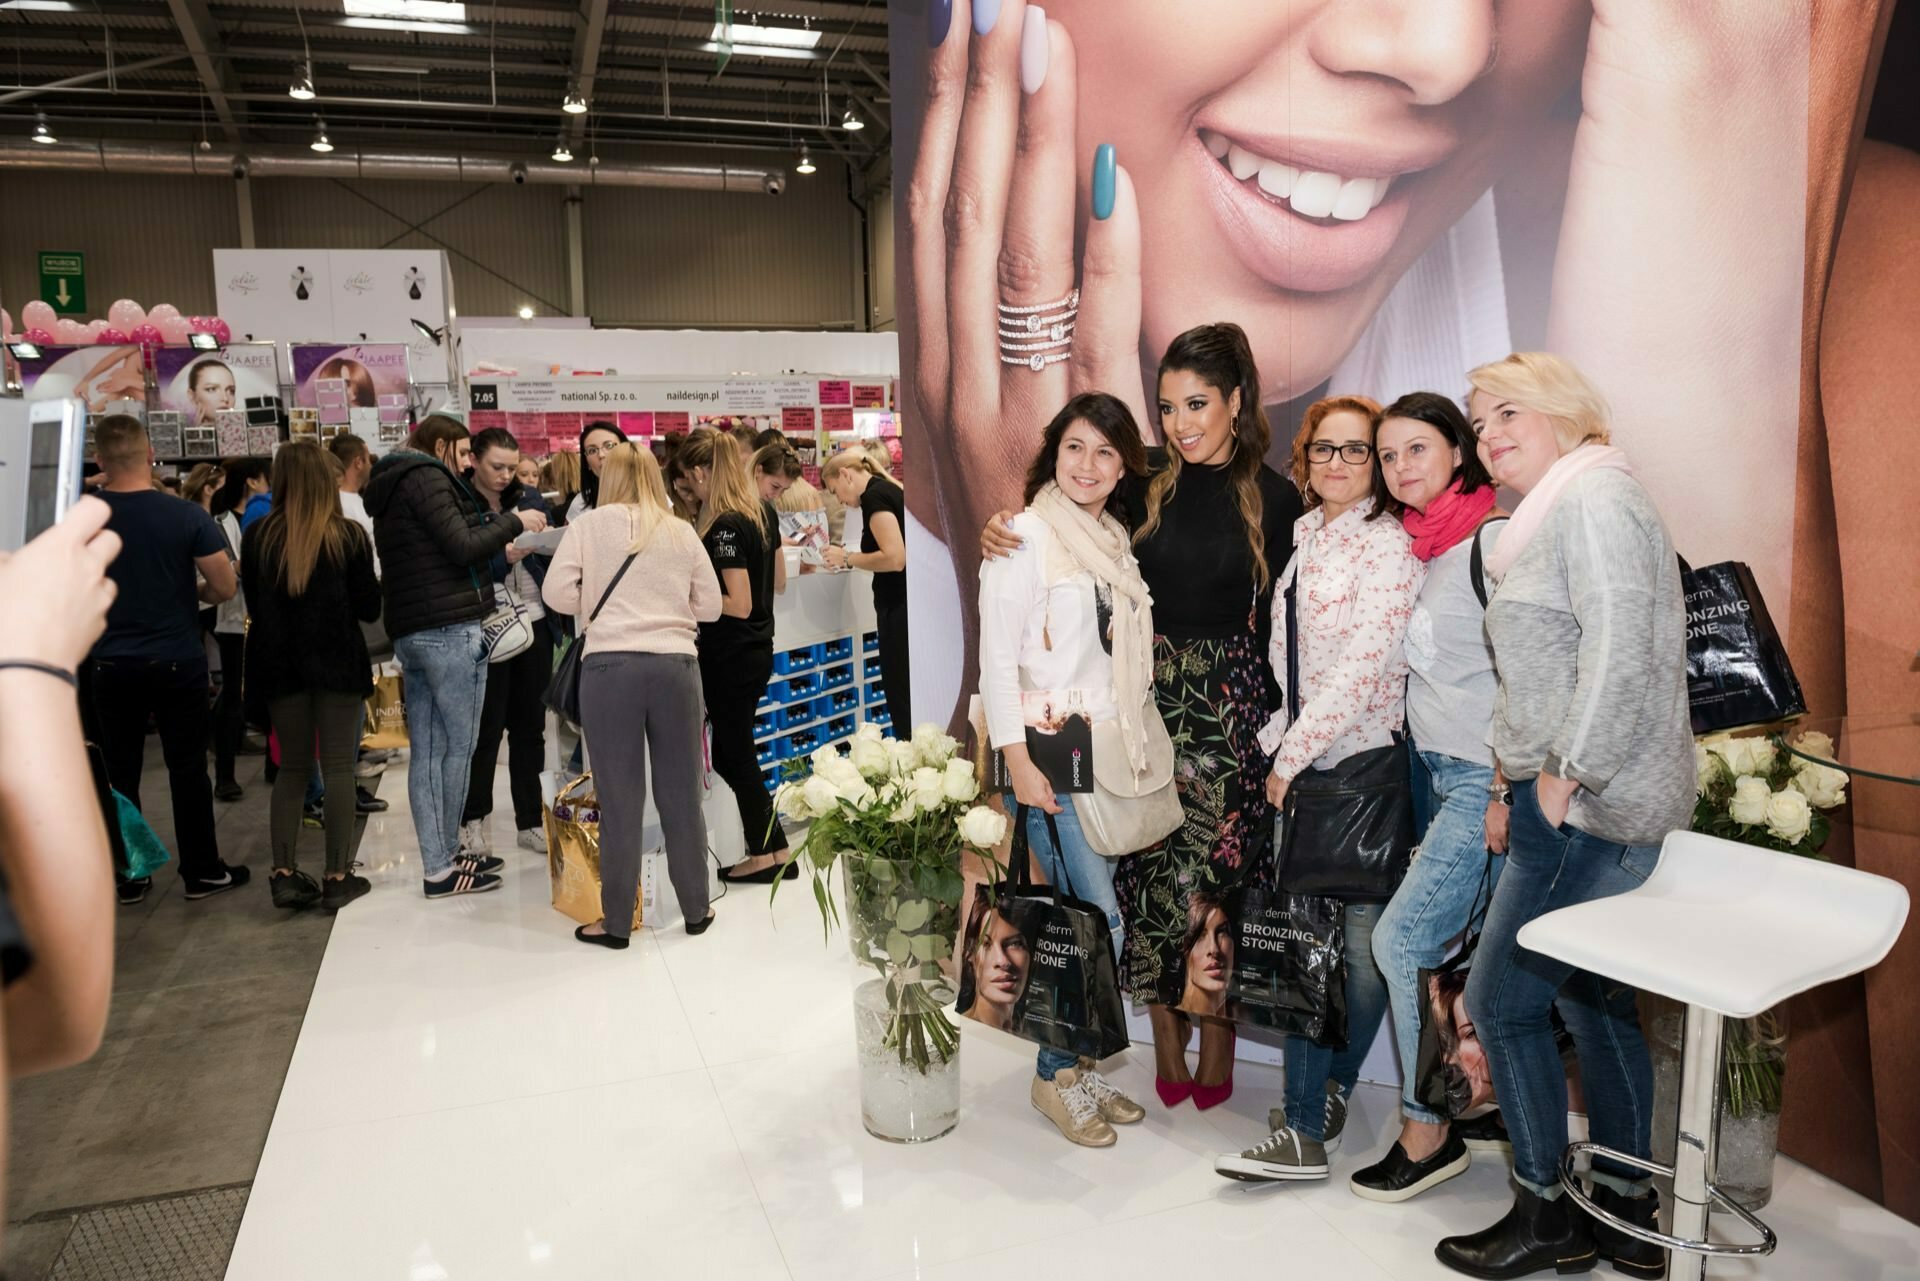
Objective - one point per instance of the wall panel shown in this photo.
(146, 238)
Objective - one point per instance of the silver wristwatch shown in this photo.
(1502, 793)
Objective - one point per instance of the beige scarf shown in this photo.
(1101, 548)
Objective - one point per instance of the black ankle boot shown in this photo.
(1537, 1235)
(1634, 1257)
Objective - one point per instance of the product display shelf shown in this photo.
(817, 695)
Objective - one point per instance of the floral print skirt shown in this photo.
(1213, 697)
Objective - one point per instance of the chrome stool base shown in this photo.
(1694, 1193)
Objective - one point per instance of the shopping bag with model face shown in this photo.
(1287, 965)
(386, 710)
(1037, 960)
(573, 852)
(1738, 673)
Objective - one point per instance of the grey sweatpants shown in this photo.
(629, 703)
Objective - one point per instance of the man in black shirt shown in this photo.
(150, 661)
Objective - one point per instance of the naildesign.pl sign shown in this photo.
(707, 396)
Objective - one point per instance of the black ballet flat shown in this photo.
(787, 871)
(602, 940)
(701, 927)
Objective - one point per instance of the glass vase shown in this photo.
(909, 1051)
(1752, 1083)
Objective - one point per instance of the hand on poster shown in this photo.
(122, 378)
(998, 156)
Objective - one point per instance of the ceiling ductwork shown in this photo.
(287, 162)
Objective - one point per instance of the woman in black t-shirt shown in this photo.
(742, 536)
(856, 481)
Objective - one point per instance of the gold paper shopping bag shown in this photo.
(573, 852)
(386, 710)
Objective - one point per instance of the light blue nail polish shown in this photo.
(1104, 174)
(939, 18)
(985, 14)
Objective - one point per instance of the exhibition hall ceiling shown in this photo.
(473, 76)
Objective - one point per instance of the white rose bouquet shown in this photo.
(1755, 791)
(899, 814)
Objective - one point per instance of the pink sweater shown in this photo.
(658, 606)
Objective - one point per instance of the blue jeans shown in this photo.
(1433, 905)
(445, 670)
(1076, 869)
(1310, 1066)
(1511, 991)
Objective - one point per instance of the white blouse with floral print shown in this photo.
(1357, 581)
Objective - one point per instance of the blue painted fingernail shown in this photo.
(985, 14)
(1103, 181)
(939, 18)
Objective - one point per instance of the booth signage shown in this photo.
(63, 282)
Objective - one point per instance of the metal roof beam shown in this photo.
(586, 62)
(196, 28)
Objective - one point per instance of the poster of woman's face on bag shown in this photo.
(198, 385)
(995, 967)
(1469, 1079)
(1206, 954)
(1382, 196)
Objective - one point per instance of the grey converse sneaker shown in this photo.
(1336, 1119)
(532, 839)
(1069, 1104)
(1115, 1107)
(473, 838)
(1282, 1156)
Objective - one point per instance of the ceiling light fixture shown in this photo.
(806, 164)
(574, 104)
(851, 120)
(747, 33)
(562, 152)
(390, 68)
(411, 28)
(321, 143)
(447, 10)
(302, 87)
(526, 312)
(41, 133)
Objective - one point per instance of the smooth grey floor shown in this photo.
(208, 1000)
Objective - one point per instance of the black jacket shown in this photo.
(434, 544)
(312, 641)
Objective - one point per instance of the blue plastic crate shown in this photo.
(766, 699)
(839, 729)
(876, 693)
(843, 700)
(796, 660)
(801, 742)
(873, 669)
(793, 714)
(833, 677)
(834, 651)
(870, 643)
(879, 717)
(765, 723)
(763, 752)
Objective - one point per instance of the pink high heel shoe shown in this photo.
(1212, 1096)
(1173, 1093)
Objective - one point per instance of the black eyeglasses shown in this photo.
(1354, 451)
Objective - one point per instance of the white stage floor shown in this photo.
(475, 1095)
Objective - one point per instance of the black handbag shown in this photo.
(563, 691)
(1048, 958)
(1290, 966)
(1347, 832)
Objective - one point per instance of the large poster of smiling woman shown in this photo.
(1382, 193)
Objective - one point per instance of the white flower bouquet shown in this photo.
(899, 815)
(1755, 791)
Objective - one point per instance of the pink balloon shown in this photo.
(198, 324)
(71, 332)
(38, 315)
(95, 328)
(6, 322)
(146, 335)
(126, 314)
(174, 329)
(218, 328)
(41, 336)
(111, 337)
(162, 311)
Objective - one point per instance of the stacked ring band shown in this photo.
(1038, 334)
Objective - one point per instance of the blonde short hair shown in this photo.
(1550, 385)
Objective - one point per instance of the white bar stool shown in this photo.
(1730, 930)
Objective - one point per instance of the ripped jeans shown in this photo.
(1511, 991)
(1077, 868)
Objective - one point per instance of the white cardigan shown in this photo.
(1019, 613)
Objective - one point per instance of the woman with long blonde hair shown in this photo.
(639, 680)
(742, 535)
(308, 576)
(857, 480)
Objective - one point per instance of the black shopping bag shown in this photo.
(1737, 668)
(1290, 965)
(1039, 961)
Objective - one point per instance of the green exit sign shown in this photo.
(63, 282)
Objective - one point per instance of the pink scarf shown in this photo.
(1447, 520)
(1534, 509)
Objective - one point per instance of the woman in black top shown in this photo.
(308, 576)
(742, 536)
(1213, 527)
(853, 478)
